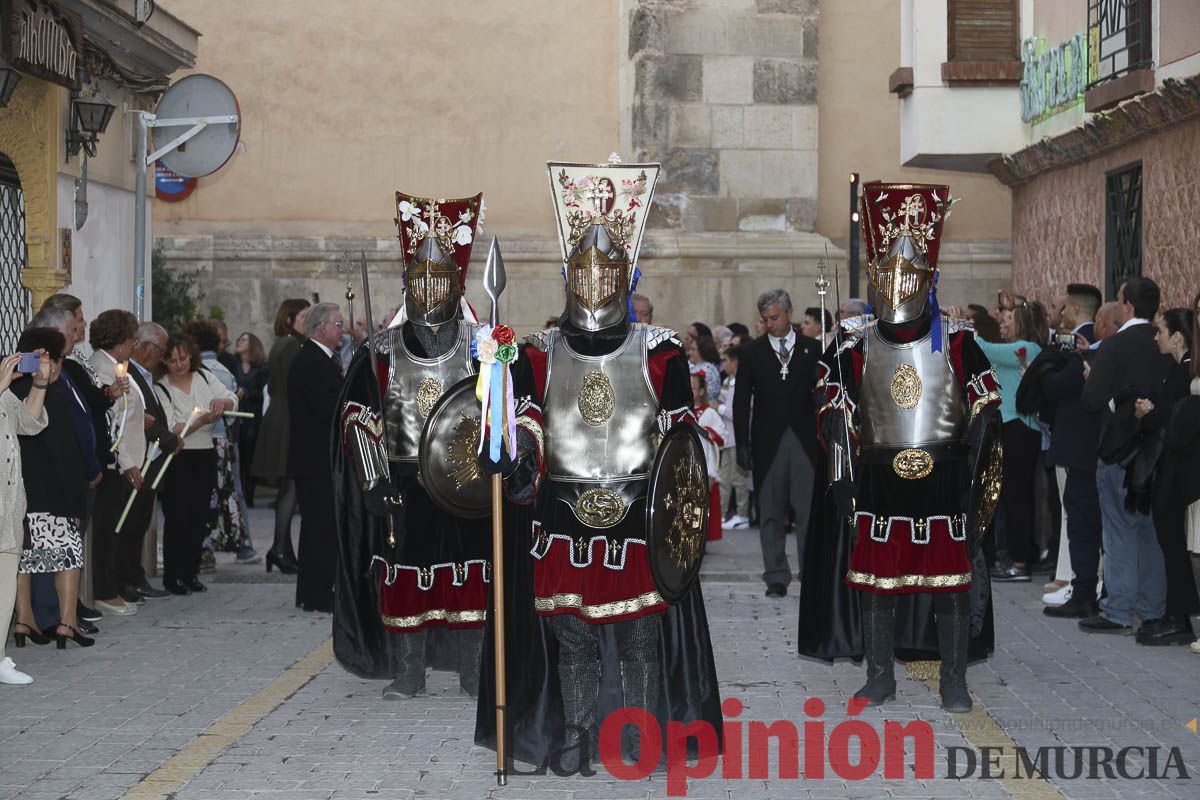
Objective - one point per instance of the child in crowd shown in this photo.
(712, 436)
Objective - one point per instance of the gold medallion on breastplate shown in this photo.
(596, 399)
(912, 464)
(906, 386)
(428, 393)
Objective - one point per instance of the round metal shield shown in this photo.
(448, 454)
(677, 513)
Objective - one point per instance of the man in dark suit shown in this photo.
(1074, 438)
(149, 346)
(778, 441)
(1127, 365)
(314, 382)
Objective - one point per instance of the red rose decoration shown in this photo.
(502, 334)
(1021, 352)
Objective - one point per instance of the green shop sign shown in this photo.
(1054, 78)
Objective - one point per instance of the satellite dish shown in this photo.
(192, 98)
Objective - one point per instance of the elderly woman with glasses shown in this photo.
(194, 401)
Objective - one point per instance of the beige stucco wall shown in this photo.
(343, 104)
(860, 125)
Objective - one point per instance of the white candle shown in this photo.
(196, 412)
(122, 369)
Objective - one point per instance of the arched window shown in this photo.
(15, 310)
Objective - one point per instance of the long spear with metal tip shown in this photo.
(493, 283)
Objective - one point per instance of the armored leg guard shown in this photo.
(411, 679)
(879, 626)
(952, 610)
(637, 641)
(470, 646)
(579, 679)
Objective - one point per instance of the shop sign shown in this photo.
(1055, 78)
(41, 39)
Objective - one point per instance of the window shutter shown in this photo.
(983, 30)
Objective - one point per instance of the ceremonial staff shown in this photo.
(374, 350)
(497, 426)
(837, 341)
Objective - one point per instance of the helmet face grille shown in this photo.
(430, 284)
(594, 280)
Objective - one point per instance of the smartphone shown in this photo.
(1066, 341)
(29, 363)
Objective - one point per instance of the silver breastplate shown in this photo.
(909, 396)
(599, 413)
(415, 384)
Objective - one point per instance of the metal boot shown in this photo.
(639, 687)
(952, 610)
(879, 625)
(411, 680)
(580, 689)
(470, 647)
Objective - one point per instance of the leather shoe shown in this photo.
(1075, 608)
(1011, 574)
(86, 612)
(195, 585)
(777, 590)
(83, 626)
(131, 596)
(1099, 624)
(1164, 631)
(150, 593)
(176, 586)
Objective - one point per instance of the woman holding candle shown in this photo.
(111, 336)
(271, 452)
(56, 497)
(193, 402)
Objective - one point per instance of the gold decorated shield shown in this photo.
(677, 513)
(448, 454)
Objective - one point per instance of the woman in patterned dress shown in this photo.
(56, 497)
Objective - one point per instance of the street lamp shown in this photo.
(89, 119)
(9, 78)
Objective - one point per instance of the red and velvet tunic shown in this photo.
(910, 532)
(598, 574)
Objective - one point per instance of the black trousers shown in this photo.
(187, 489)
(318, 543)
(1171, 526)
(1081, 500)
(1021, 447)
(111, 496)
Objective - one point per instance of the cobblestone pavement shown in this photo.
(212, 683)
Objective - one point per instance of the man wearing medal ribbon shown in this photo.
(907, 418)
(778, 442)
(425, 599)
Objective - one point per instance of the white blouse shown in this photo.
(180, 404)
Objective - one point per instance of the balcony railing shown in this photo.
(1119, 42)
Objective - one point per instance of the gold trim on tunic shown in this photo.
(601, 610)
(981, 403)
(452, 617)
(910, 581)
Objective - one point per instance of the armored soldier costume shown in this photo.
(591, 626)
(907, 417)
(430, 569)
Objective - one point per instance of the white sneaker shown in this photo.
(11, 675)
(1059, 597)
(736, 522)
(122, 610)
